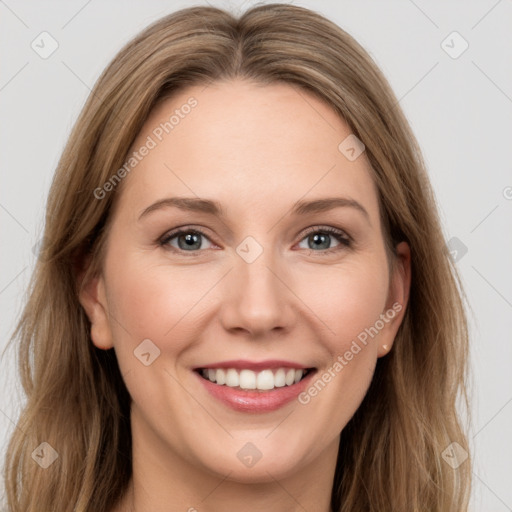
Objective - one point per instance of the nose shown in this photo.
(257, 299)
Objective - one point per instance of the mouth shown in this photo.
(268, 379)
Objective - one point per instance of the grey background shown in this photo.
(460, 110)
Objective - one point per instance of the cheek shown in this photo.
(155, 301)
(348, 298)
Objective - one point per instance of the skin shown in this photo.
(257, 150)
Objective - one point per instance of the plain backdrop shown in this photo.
(457, 99)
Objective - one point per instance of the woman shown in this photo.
(243, 299)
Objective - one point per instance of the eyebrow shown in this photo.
(211, 207)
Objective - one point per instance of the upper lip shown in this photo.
(243, 364)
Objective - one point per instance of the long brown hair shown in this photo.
(392, 452)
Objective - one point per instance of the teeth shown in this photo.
(220, 377)
(280, 378)
(247, 379)
(265, 380)
(232, 378)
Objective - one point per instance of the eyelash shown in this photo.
(343, 238)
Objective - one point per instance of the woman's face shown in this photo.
(269, 286)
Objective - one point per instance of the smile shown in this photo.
(254, 387)
(246, 379)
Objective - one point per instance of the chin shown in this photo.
(244, 468)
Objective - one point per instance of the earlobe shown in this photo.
(93, 299)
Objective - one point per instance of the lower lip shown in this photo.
(256, 401)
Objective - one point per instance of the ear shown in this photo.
(398, 297)
(93, 299)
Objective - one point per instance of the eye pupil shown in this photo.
(317, 237)
(190, 240)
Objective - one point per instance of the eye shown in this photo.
(188, 240)
(319, 237)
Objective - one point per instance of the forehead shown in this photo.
(246, 145)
